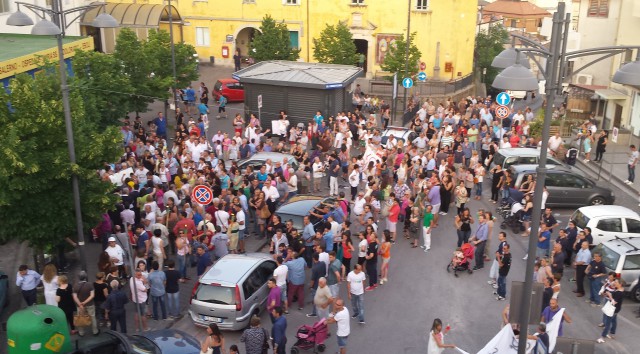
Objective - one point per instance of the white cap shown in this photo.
(112, 239)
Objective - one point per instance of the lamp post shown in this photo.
(57, 27)
(518, 78)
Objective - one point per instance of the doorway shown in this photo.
(617, 117)
(243, 42)
(362, 47)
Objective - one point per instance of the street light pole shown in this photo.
(173, 61)
(406, 57)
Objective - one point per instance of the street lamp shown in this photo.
(516, 77)
(57, 27)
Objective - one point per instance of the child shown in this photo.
(458, 257)
(234, 349)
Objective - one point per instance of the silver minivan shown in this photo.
(507, 157)
(232, 290)
(622, 256)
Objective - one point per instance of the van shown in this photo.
(507, 157)
(232, 290)
(607, 222)
(622, 256)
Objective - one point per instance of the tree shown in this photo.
(394, 61)
(36, 203)
(158, 47)
(488, 45)
(335, 46)
(272, 42)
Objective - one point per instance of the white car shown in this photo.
(607, 222)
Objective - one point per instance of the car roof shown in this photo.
(508, 152)
(607, 210)
(300, 205)
(396, 131)
(230, 269)
(264, 155)
(228, 81)
(624, 245)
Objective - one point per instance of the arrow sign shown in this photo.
(503, 99)
(407, 82)
(422, 76)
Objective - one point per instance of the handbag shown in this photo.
(82, 319)
(609, 309)
(264, 211)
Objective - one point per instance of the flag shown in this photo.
(553, 327)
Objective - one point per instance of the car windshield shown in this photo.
(143, 345)
(610, 258)
(215, 294)
(498, 159)
(580, 219)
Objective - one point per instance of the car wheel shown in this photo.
(597, 201)
(635, 293)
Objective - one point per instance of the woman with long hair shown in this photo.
(64, 298)
(104, 262)
(446, 190)
(436, 338)
(50, 281)
(214, 340)
(385, 253)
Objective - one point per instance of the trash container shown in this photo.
(38, 329)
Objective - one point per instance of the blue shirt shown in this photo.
(191, 94)
(203, 108)
(307, 234)
(156, 283)
(278, 331)
(28, 281)
(483, 232)
(584, 256)
(161, 126)
(547, 242)
(224, 182)
(296, 271)
(437, 122)
(318, 119)
(328, 240)
(203, 262)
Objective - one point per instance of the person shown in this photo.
(583, 259)
(183, 250)
(610, 323)
(114, 307)
(296, 277)
(479, 240)
(463, 223)
(279, 331)
(550, 311)
(372, 263)
(596, 272)
(83, 295)
(157, 280)
(158, 247)
(280, 274)
(204, 260)
(322, 299)
(50, 281)
(318, 270)
(214, 340)
(255, 338)
(435, 343)
(504, 264)
(495, 267)
(334, 274)
(139, 298)
(172, 288)
(236, 60)
(274, 299)
(116, 253)
(355, 289)
(601, 145)
(27, 280)
(542, 340)
(340, 316)
(101, 291)
(631, 164)
(427, 226)
(64, 297)
(233, 349)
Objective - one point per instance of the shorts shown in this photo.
(283, 292)
(143, 308)
(391, 226)
(435, 208)
(222, 109)
(241, 234)
(342, 341)
(385, 260)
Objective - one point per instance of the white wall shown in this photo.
(73, 30)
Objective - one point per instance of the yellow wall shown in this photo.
(450, 22)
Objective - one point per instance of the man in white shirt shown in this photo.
(555, 142)
(141, 175)
(422, 113)
(280, 273)
(115, 252)
(340, 316)
(292, 183)
(391, 142)
(518, 117)
(149, 218)
(354, 181)
(355, 289)
(271, 194)
(222, 218)
(128, 216)
(420, 141)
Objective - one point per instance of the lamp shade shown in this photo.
(628, 74)
(507, 57)
(45, 28)
(19, 18)
(104, 20)
(516, 78)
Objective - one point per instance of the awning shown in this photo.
(611, 94)
(135, 15)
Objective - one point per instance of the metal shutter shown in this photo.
(302, 104)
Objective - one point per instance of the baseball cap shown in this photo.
(112, 239)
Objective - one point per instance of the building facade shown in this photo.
(7, 7)
(445, 28)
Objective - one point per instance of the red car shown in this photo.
(232, 89)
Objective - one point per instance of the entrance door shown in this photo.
(618, 116)
(362, 46)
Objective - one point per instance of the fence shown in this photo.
(428, 88)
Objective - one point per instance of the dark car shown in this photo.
(232, 89)
(299, 206)
(566, 187)
(164, 341)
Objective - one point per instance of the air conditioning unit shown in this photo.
(584, 79)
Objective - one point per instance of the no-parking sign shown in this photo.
(202, 195)
(502, 112)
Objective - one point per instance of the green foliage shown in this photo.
(36, 202)
(335, 46)
(272, 42)
(394, 61)
(488, 45)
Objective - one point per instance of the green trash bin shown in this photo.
(38, 329)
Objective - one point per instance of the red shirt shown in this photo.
(185, 224)
(394, 212)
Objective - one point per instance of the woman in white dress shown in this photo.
(436, 339)
(50, 281)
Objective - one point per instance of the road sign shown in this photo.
(395, 86)
(422, 76)
(407, 82)
(502, 112)
(259, 101)
(614, 135)
(202, 195)
(503, 98)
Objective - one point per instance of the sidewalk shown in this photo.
(612, 168)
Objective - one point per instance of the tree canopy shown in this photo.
(488, 45)
(394, 61)
(36, 202)
(335, 46)
(272, 42)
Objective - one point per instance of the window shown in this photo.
(5, 6)
(632, 262)
(570, 181)
(422, 4)
(252, 284)
(357, 2)
(293, 39)
(290, 2)
(633, 226)
(610, 225)
(527, 160)
(202, 36)
(598, 8)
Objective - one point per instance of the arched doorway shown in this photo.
(243, 40)
(362, 47)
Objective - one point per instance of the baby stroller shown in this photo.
(461, 260)
(311, 337)
(513, 219)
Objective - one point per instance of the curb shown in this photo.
(606, 175)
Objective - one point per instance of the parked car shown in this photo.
(232, 290)
(566, 187)
(259, 159)
(622, 256)
(400, 133)
(299, 206)
(508, 157)
(232, 89)
(607, 222)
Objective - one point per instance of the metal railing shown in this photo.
(427, 88)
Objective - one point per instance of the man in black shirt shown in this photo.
(596, 273)
(541, 338)
(172, 287)
(547, 293)
(504, 262)
(557, 256)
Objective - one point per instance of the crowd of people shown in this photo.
(156, 233)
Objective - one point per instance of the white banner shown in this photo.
(552, 329)
(505, 342)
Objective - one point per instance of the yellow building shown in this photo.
(217, 28)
